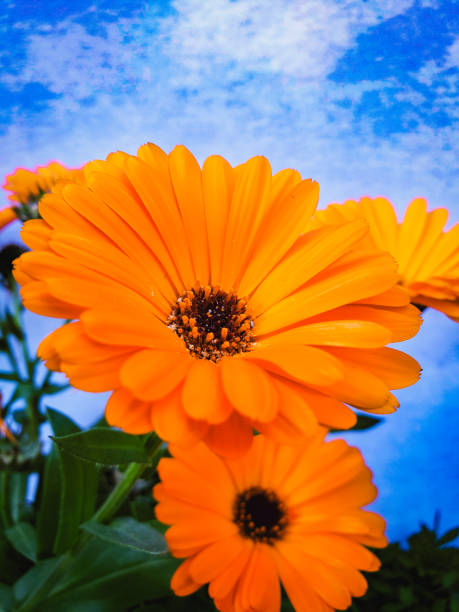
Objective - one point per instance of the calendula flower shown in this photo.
(7, 215)
(427, 256)
(198, 299)
(279, 513)
(28, 186)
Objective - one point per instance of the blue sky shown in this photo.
(360, 95)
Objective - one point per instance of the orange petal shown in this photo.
(152, 374)
(217, 185)
(312, 253)
(294, 420)
(301, 594)
(352, 333)
(36, 233)
(259, 587)
(168, 416)
(182, 583)
(250, 198)
(186, 180)
(203, 396)
(155, 190)
(396, 369)
(131, 415)
(231, 439)
(132, 327)
(216, 558)
(303, 363)
(347, 283)
(281, 227)
(249, 388)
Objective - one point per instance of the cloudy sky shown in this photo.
(360, 95)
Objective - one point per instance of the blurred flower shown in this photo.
(7, 215)
(427, 256)
(200, 301)
(28, 186)
(7, 255)
(280, 512)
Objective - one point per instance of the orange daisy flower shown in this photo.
(28, 186)
(427, 256)
(280, 512)
(198, 299)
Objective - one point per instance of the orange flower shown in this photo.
(7, 215)
(28, 186)
(201, 303)
(280, 512)
(428, 257)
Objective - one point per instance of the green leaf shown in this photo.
(23, 538)
(61, 424)
(105, 446)
(6, 598)
(78, 487)
(77, 501)
(8, 376)
(449, 536)
(126, 531)
(28, 588)
(11, 326)
(68, 495)
(51, 389)
(17, 495)
(48, 508)
(101, 577)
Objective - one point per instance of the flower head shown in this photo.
(280, 512)
(427, 256)
(199, 300)
(28, 186)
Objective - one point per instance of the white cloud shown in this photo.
(292, 37)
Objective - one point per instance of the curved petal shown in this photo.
(131, 415)
(203, 397)
(153, 374)
(249, 388)
(186, 180)
(307, 364)
(231, 439)
(351, 333)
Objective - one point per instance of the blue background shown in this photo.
(361, 96)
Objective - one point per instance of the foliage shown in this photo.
(424, 577)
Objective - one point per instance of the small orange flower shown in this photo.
(427, 256)
(280, 512)
(198, 298)
(28, 186)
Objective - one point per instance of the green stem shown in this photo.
(12, 358)
(121, 491)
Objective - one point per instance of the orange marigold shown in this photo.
(427, 256)
(280, 512)
(28, 186)
(199, 300)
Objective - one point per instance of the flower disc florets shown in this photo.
(260, 515)
(212, 323)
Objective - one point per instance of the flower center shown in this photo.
(212, 323)
(260, 515)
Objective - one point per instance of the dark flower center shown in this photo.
(212, 323)
(260, 515)
(7, 255)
